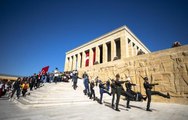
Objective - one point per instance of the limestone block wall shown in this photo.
(167, 67)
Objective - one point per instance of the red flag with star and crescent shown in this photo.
(44, 70)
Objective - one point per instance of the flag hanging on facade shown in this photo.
(87, 59)
(44, 70)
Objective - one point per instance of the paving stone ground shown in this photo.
(73, 105)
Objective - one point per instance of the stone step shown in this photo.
(24, 104)
(62, 96)
(58, 94)
(54, 94)
(53, 100)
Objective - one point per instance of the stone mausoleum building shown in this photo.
(118, 44)
(116, 52)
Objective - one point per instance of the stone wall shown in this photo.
(167, 67)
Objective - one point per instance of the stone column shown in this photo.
(123, 47)
(136, 50)
(133, 49)
(83, 59)
(127, 47)
(79, 60)
(68, 68)
(97, 54)
(104, 53)
(74, 62)
(66, 64)
(90, 57)
(130, 48)
(113, 50)
(71, 60)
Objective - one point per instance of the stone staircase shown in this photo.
(62, 93)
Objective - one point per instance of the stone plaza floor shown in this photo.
(87, 109)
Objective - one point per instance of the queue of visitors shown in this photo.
(22, 86)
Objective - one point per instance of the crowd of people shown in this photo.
(9, 88)
(23, 85)
(112, 87)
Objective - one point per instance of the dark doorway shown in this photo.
(108, 51)
(118, 48)
(94, 55)
(72, 63)
(101, 54)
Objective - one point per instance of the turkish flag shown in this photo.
(87, 59)
(44, 70)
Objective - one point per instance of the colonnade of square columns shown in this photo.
(119, 48)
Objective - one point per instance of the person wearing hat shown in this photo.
(113, 91)
(102, 89)
(128, 86)
(130, 93)
(86, 85)
(118, 91)
(148, 86)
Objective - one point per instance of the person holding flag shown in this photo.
(41, 73)
(44, 70)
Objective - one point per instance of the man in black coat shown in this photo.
(131, 93)
(119, 89)
(148, 86)
(128, 86)
(102, 90)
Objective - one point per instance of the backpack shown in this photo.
(25, 86)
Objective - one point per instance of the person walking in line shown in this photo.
(92, 85)
(119, 89)
(24, 86)
(75, 80)
(31, 83)
(86, 85)
(129, 90)
(128, 86)
(56, 75)
(1, 88)
(148, 86)
(16, 88)
(108, 85)
(103, 90)
(97, 80)
(113, 91)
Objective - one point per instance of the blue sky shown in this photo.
(37, 33)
